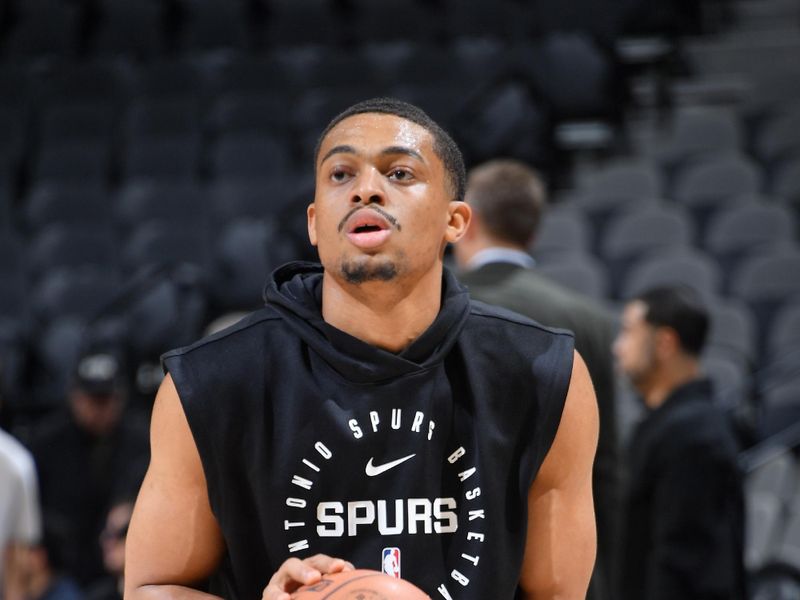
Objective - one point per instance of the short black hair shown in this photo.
(444, 146)
(681, 309)
(509, 196)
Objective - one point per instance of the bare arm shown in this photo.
(562, 540)
(174, 540)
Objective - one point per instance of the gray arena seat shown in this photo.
(63, 245)
(681, 267)
(582, 273)
(77, 121)
(213, 25)
(767, 282)
(134, 29)
(182, 204)
(710, 185)
(784, 333)
(256, 198)
(733, 331)
(632, 236)
(786, 184)
(779, 138)
(166, 159)
(629, 179)
(561, 232)
(247, 251)
(768, 490)
(75, 161)
(155, 244)
(44, 28)
(69, 203)
(787, 551)
(697, 133)
(249, 156)
(752, 227)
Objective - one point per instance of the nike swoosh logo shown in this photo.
(373, 470)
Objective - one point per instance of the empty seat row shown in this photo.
(170, 159)
(235, 257)
(704, 187)
(94, 206)
(153, 27)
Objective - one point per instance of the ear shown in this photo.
(474, 228)
(459, 217)
(311, 214)
(667, 342)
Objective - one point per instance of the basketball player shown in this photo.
(372, 408)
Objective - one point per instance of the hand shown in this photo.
(294, 573)
(18, 572)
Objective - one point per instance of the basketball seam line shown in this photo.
(349, 581)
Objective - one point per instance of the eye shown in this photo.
(400, 175)
(339, 175)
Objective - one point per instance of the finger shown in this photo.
(273, 592)
(327, 564)
(293, 573)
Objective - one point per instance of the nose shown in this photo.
(616, 347)
(369, 188)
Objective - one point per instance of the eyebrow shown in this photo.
(345, 149)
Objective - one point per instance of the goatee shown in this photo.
(357, 273)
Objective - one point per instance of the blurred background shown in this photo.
(156, 161)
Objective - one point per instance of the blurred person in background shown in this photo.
(37, 570)
(112, 543)
(20, 516)
(86, 455)
(684, 516)
(507, 199)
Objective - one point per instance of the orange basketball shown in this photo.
(361, 584)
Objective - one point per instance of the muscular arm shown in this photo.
(561, 542)
(174, 540)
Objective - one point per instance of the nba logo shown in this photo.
(391, 562)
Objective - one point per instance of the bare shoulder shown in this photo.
(170, 435)
(174, 537)
(572, 453)
(561, 538)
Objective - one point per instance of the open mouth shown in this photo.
(367, 229)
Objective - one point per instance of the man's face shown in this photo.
(382, 208)
(96, 414)
(634, 348)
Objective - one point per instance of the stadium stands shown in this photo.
(155, 163)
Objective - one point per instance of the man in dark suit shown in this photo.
(507, 199)
(683, 531)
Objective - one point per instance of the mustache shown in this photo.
(392, 221)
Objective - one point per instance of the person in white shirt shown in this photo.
(20, 514)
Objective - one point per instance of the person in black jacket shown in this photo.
(85, 455)
(684, 518)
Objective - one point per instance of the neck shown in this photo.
(669, 377)
(386, 314)
(39, 583)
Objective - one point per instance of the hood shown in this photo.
(295, 292)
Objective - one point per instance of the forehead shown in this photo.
(634, 313)
(369, 132)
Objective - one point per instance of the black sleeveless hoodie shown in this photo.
(416, 463)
